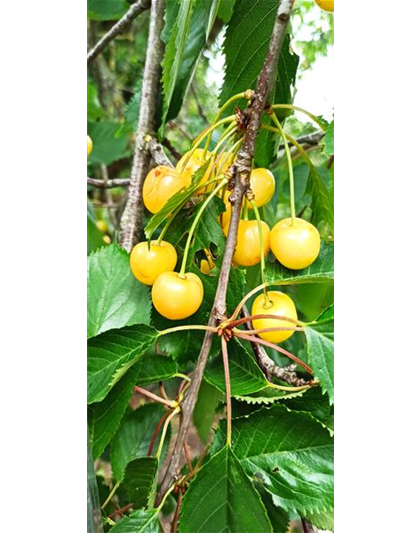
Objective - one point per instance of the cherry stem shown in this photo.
(165, 429)
(276, 121)
(296, 108)
(187, 457)
(208, 131)
(244, 299)
(186, 328)
(252, 338)
(292, 389)
(267, 330)
(239, 96)
(154, 397)
(111, 494)
(156, 432)
(196, 221)
(228, 391)
(261, 235)
(250, 318)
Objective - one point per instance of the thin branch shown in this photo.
(134, 11)
(241, 172)
(109, 184)
(312, 139)
(167, 144)
(134, 209)
(157, 153)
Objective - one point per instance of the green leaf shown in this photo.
(328, 140)
(246, 45)
(134, 436)
(107, 148)
(94, 109)
(268, 396)
(140, 479)
(290, 454)
(205, 409)
(278, 517)
(323, 520)
(321, 271)
(156, 368)
(105, 416)
(179, 64)
(225, 10)
(246, 376)
(106, 9)
(322, 199)
(112, 354)
(185, 38)
(95, 238)
(320, 338)
(116, 298)
(138, 522)
(175, 201)
(221, 498)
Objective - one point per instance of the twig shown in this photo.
(157, 153)
(311, 139)
(167, 144)
(133, 212)
(109, 184)
(121, 511)
(241, 172)
(133, 12)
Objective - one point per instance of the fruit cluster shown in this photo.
(294, 242)
(177, 295)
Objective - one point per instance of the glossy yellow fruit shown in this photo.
(194, 163)
(295, 246)
(89, 145)
(369, 5)
(225, 217)
(161, 183)
(176, 297)
(263, 185)
(146, 265)
(247, 251)
(281, 305)
(101, 225)
(207, 265)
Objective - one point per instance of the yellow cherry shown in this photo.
(207, 265)
(326, 5)
(161, 183)
(194, 163)
(296, 245)
(279, 304)
(89, 145)
(263, 185)
(146, 265)
(176, 297)
(247, 251)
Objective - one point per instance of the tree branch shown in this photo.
(133, 212)
(133, 12)
(157, 153)
(311, 139)
(109, 184)
(241, 172)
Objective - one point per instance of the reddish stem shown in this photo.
(228, 391)
(187, 457)
(174, 526)
(122, 510)
(156, 432)
(252, 338)
(256, 317)
(153, 396)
